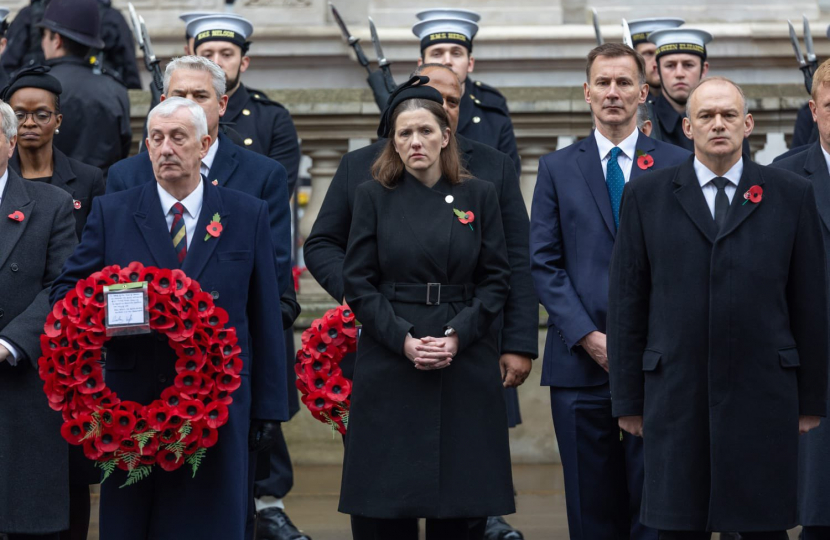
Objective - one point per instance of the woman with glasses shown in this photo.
(34, 95)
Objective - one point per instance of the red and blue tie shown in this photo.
(178, 233)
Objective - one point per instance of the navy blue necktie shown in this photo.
(615, 181)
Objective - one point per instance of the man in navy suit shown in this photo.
(226, 164)
(238, 269)
(573, 225)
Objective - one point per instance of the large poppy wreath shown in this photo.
(326, 392)
(172, 430)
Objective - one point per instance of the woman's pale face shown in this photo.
(419, 140)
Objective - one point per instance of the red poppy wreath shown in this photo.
(325, 391)
(175, 429)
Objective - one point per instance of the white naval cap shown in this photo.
(4, 12)
(189, 16)
(220, 27)
(641, 28)
(440, 13)
(445, 30)
(680, 41)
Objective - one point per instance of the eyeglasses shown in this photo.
(40, 117)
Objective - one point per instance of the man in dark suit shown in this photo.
(225, 164)
(37, 233)
(814, 447)
(717, 330)
(573, 227)
(325, 247)
(238, 269)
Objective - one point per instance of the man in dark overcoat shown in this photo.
(237, 269)
(573, 227)
(814, 465)
(717, 330)
(325, 247)
(37, 234)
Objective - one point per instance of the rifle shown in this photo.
(802, 64)
(383, 63)
(150, 60)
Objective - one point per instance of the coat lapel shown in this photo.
(690, 196)
(62, 175)
(15, 198)
(224, 163)
(200, 250)
(645, 145)
(591, 167)
(151, 222)
(420, 216)
(816, 169)
(738, 211)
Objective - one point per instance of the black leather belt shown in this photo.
(431, 294)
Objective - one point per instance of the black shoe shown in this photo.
(499, 529)
(729, 536)
(273, 524)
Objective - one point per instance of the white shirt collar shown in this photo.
(3, 180)
(207, 161)
(823, 151)
(704, 175)
(628, 145)
(192, 203)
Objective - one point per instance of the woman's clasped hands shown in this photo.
(429, 353)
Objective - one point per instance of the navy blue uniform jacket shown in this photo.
(572, 235)
(233, 168)
(238, 270)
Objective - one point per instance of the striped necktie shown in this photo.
(178, 233)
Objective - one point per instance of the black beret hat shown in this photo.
(414, 88)
(35, 77)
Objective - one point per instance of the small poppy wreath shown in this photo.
(644, 161)
(755, 194)
(183, 423)
(214, 228)
(466, 218)
(325, 391)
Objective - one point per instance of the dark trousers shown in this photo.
(702, 535)
(815, 533)
(281, 479)
(603, 475)
(364, 528)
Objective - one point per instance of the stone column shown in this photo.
(325, 157)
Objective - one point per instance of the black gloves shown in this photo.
(262, 435)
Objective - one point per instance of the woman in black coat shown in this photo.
(34, 96)
(426, 273)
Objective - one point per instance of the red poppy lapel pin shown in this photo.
(17, 215)
(644, 161)
(77, 204)
(755, 194)
(214, 228)
(465, 217)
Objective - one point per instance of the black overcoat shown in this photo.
(814, 450)
(34, 475)
(720, 341)
(426, 443)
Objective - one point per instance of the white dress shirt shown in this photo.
(14, 354)
(823, 151)
(192, 208)
(207, 161)
(626, 157)
(705, 176)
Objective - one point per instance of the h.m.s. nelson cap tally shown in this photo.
(680, 41)
(432, 31)
(641, 28)
(221, 27)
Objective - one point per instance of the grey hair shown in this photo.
(720, 79)
(169, 106)
(643, 115)
(197, 63)
(9, 121)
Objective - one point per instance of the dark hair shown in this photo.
(616, 50)
(388, 168)
(72, 47)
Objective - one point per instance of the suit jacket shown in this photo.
(719, 340)
(325, 247)
(814, 468)
(572, 235)
(83, 182)
(233, 168)
(239, 271)
(32, 252)
(483, 117)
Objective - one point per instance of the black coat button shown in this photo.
(14, 267)
(214, 295)
(1, 313)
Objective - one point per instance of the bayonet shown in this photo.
(626, 34)
(596, 26)
(802, 64)
(383, 63)
(808, 44)
(353, 42)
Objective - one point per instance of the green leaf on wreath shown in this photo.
(144, 437)
(185, 430)
(177, 448)
(459, 213)
(137, 474)
(196, 459)
(107, 466)
(94, 427)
